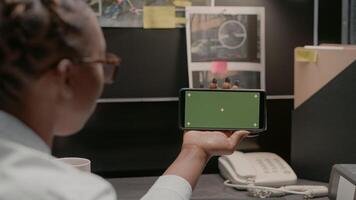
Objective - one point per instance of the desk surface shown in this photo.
(209, 187)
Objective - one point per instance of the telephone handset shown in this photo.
(264, 175)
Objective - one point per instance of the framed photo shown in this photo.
(235, 35)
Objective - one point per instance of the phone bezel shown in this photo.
(263, 110)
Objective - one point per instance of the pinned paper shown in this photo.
(159, 17)
(219, 67)
(182, 3)
(306, 55)
(181, 20)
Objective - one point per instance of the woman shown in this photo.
(52, 58)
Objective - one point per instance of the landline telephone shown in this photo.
(264, 175)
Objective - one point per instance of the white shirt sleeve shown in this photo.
(26, 174)
(169, 187)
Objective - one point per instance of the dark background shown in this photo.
(142, 138)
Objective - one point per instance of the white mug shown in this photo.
(82, 164)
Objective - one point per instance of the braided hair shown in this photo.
(34, 36)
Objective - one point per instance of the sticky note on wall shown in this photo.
(181, 20)
(159, 17)
(182, 3)
(305, 55)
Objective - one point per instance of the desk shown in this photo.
(209, 187)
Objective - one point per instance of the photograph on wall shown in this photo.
(171, 2)
(242, 79)
(227, 37)
(120, 13)
(129, 13)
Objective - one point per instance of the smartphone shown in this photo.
(205, 109)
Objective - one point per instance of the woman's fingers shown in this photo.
(238, 135)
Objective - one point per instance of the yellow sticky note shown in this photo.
(159, 17)
(306, 55)
(181, 20)
(182, 3)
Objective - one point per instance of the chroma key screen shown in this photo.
(230, 110)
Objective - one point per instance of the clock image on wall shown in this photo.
(232, 34)
(227, 37)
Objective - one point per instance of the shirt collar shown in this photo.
(14, 130)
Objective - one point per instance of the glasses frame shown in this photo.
(111, 60)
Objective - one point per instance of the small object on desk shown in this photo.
(209, 187)
(264, 175)
(342, 185)
(260, 168)
(227, 83)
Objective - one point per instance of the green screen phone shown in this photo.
(204, 109)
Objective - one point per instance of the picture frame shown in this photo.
(235, 35)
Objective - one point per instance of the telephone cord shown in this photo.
(263, 192)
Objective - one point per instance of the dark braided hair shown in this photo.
(34, 36)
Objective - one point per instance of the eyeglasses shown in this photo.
(110, 64)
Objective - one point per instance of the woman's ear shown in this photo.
(64, 76)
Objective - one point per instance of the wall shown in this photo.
(329, 25)
(142, 138)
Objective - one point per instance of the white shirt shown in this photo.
(29, 172)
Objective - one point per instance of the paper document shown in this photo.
(182, 3)
(181, 20)
(305, 55)
(159, 17)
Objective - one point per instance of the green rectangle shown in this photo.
(226, 110)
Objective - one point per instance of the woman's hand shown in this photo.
(198, 147)
(213, 143)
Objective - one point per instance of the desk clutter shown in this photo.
(209, 187)
(342, 183)
(264, 175)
